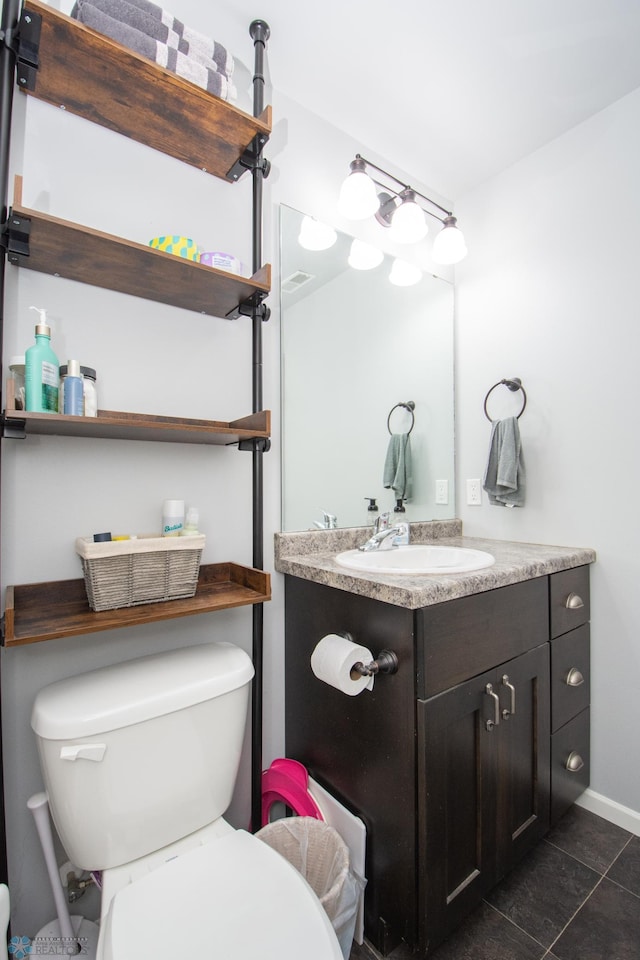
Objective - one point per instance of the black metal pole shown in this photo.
(259, 31)
(8, 27)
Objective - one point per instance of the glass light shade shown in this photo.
(404, 274)
(364, 256)
(358, 197)
(449, 246)
(315, 235)
(408, 223)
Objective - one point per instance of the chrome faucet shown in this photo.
(394, 536)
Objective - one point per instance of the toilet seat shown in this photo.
(233, 897)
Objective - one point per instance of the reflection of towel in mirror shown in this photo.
(504, 478)
(397, 466)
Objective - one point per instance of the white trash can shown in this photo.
(319, 853)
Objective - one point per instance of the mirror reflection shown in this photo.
(367, 384)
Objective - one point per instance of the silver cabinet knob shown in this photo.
(574, 678)
(574, 762)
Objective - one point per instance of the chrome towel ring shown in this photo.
(410, 406)
(515, 383)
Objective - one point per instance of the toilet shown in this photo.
(139, 761)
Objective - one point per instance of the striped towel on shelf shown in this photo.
(206, 77)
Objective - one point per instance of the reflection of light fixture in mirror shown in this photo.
(449, 246)
(358, 198)
(364, 256)
(404, 274)
(315, 235)
(400, 210)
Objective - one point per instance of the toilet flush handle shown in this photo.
(84, 751)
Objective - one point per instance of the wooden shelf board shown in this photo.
(102, 81)
(114, 425)
(61, 248)
(49, 611)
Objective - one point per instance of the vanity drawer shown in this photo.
(459, 639)
(569, 764)
(569, 605)
(570, 676)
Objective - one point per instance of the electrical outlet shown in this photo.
(474, 493)
(442, 491)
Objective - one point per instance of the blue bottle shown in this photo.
(41, 376)
(72, 390)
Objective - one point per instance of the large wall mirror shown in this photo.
(354, 348)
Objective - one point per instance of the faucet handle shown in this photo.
(381, 522)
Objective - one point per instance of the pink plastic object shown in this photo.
(287, 781)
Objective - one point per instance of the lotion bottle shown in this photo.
(41, 376)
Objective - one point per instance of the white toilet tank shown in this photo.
(142, 753)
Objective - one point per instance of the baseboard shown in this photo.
(610, 810)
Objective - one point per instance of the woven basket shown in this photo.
(149, 569)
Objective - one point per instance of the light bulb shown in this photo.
(315, 235)
(449, 246)
(404, 274)
(364, 256)
(358, 198)
(408, 223)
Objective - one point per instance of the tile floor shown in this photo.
(575, 897)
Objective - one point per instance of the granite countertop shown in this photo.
(310, 555)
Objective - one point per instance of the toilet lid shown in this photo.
(234, 898)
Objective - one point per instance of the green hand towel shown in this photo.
(504, 478)
(397, 474)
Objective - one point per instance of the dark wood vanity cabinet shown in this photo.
(450, 761)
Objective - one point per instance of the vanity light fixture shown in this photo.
(315, 235)
(399, 210)
(364, 256)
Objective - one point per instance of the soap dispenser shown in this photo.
(372, 511)
(41, 371)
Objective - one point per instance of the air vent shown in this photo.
(295, 281)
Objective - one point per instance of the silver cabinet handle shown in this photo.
(574, 678)
(490, 724)
(512, 708)
(574, 602)
(574, 762)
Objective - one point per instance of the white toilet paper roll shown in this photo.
(332, 660)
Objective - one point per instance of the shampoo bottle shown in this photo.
(41, 377)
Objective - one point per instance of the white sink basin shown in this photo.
(416, 559)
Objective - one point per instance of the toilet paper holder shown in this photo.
(385, 662)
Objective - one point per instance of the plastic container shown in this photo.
(41, 373)
(16, 371)
(71, 386)
(172, 518)
(190, 528)
(89, 390)
(319, 853)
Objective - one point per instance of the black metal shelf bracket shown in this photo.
(14, 238)
(14, 428)
(255, 444)
(28, 49)
(251, 307)
(251, 159)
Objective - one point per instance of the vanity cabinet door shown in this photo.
(483, 786)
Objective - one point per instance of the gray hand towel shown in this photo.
(504, 478)
(160, 53)
(397, 473)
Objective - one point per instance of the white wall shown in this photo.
(549, 294)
